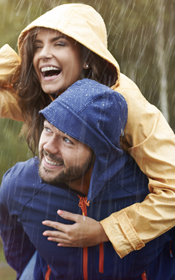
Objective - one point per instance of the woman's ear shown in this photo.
(86, 65)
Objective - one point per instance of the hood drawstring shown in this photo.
(83, 203)
(48, 272)
(170, 249)
(101, 258)
(144, 276)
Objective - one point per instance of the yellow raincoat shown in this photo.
(148, 137)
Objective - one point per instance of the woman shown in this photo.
(69, 43)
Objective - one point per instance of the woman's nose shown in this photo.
(45, 53)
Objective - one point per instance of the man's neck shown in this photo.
(82, 185)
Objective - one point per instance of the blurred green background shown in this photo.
(141, 35)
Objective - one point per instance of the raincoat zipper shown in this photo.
(83, 203)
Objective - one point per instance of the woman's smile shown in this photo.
(58, 61)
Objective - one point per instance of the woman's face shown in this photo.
(58, 60)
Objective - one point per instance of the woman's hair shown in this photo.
(31, 96)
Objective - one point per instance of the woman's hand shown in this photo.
(84, 232)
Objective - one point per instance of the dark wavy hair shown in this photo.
(31, 96)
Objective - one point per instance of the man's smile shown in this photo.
(52, 162)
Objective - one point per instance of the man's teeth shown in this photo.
(49, 68)
(52, 162)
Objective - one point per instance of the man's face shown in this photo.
(62, 158)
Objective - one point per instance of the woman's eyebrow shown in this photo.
(53, 39)
(58, 37)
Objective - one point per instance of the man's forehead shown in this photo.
(54, 127)
(59, 132)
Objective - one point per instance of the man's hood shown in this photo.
(80, 22)
(95, 115)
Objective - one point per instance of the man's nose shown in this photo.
(52, 146)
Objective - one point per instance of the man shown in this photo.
(81, 169)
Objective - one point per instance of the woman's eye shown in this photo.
(36, 47)
(60, 43)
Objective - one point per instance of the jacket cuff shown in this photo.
(9, 61)
(9, 107)
(121, 233)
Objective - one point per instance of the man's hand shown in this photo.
(84, 232)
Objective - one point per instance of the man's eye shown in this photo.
(47, 129)
(67, 140)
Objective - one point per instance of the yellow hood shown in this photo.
(80, 22)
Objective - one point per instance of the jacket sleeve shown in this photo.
(151, 142)
(17, 247)
(9, 62)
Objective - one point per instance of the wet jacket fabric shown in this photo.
(9, 62)
(87, 113)
(147, 136)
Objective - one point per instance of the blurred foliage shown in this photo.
(132, 34)
(12, 149)
(132, 27)
(6, 272)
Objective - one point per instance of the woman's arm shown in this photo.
(9, 63)
(151, 142)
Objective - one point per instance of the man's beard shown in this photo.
(68, 175)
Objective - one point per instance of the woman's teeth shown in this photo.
(49, 71)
